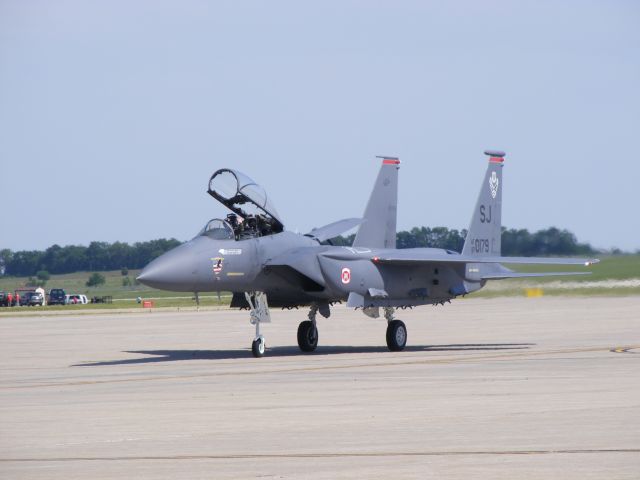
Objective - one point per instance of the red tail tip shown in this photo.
(495, 156)
(389, 160)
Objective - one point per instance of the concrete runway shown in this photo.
(488, 388)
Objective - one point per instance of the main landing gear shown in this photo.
(396, 331)
(259, 313)
(308, 330)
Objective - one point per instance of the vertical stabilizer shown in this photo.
(485, 230)
(378, 229)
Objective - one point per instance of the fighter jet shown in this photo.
(250, 254)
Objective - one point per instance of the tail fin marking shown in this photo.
(485, 230)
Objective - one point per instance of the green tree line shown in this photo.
(103, 256)
(98, 256)
(515, 242)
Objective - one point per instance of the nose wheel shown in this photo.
(257, 347)
(259, 313)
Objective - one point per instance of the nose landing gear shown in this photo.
(257, 347)
(259, 312)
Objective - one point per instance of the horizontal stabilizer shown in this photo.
(501, 276)
(334, 229)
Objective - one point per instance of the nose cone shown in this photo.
(175, 270)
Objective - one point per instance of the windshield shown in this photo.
(218, 230)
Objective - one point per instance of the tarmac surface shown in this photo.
(487, 388)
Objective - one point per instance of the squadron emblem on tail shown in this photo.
(493, 184)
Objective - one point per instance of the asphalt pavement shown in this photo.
(487, 388)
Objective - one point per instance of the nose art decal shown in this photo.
(217, 264)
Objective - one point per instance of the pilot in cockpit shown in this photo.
(251, 224)
(236, 223)
(264, 226)
(232, 218)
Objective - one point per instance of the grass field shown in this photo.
(614, 275)
(618, 267)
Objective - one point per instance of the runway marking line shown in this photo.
(440, 361)
(624, 350)
(258, 456)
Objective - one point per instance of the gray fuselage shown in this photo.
(296, 270)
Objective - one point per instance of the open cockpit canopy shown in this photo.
(247, 200)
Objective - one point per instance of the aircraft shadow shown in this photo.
(155, 356)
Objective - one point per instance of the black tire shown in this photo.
(307, 336)
(396, 335)
(258, 347)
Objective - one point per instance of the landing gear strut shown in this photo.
(396, 331)
(259, 313)
(308, 332)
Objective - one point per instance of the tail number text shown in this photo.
(480, 245)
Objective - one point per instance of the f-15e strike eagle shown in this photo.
(251, 254)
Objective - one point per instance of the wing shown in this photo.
(414, 256)
(501, 276)
(488, 268)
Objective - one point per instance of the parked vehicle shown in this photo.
(24, 298)
(57, 296)
(35, 298)
(74, 298)
(22, 295)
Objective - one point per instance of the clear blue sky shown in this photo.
(113, 114)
